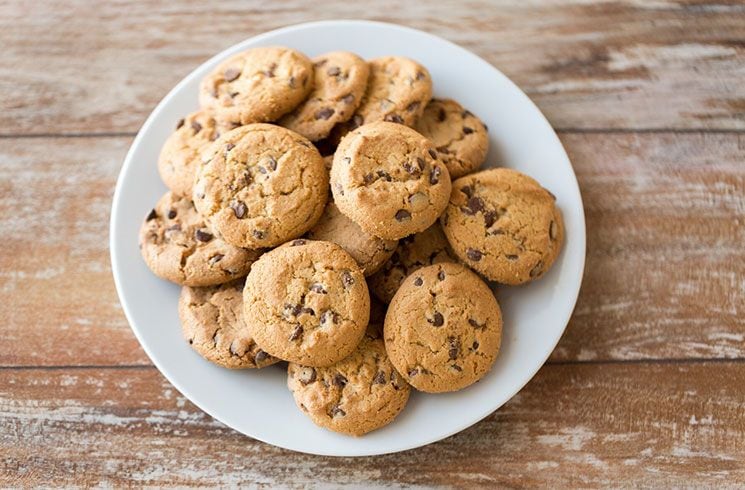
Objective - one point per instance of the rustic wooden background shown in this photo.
(646, 388)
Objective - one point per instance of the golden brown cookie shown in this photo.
(504, 225)
(413, 252)
(258, 85)
(443, 328)
(387, 179)
(261, 186)
(358, 394)
(179, 246)
(460, 137)
(370, 252)
(307, 302)
(212, 323)
(340, 81)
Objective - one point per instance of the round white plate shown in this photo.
(257, 403)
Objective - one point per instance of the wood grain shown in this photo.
(66, 67)
(678, 424)
(665, 273)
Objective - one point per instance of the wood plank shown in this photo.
(68, 68)
(660, 425)
(647, 294)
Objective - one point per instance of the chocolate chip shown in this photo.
(180, 123)
(490, 217)
(437, 319)
(329, 316)
(231, 74)
(259, 234)
(239, 209)
(553, 230)
(394, 118)
(290, 311)
(297, 333)
(297, 242)
(307, 311)
(347, 160)
(441, 275)
(434, 176)
(537, 269)
(272, 163)
(340, 380)
(151, 215)
(413, 372)
(324, 113)
(454, 348)
(412, 170)
(337, 411)
(260, 356)
(203, 236)
(348, 99)
(291, 82)
(473, 206)
(474, 254)
(346, 279)
(475, 345)
(475, 324)
(467, 190)
(229, 147)
(384, 175)
(333, 71)
(420, 75)
(196, 126)
(233, 94)
(456, 367)
(318, 288)
(262, 169)
(443, 149)
(413, 106)
(403, 215)
(176, 227)
(418, 281)
(307, 376)
(379, 378)
(466, 113)
(191, 341)
(467, 130)
(216, 258)
(368, 179)
(441, 115)
(420, 163)
(511, 257)
(270, 72)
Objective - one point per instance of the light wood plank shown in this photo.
(665, 273)
(659, 425)
(67, 67)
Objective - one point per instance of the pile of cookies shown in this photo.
(299, 187)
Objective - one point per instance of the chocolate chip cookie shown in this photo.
(388, 179)
(258, 85)
(358, 394)
(369, 251)
(340, 82)
(179, 246)
(460, 137)
(443, 328)
(212, 323)
(261, 186)
(413, 252)
(504, 225)
(307, 302)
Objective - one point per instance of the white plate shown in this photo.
(257, 403)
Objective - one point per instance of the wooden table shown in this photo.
(647, 386)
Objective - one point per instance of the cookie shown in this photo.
(460, 137)
(413, 252)
(183, 150)
(443, 328)
(504, 225)
(258, 85)
(261, 186)
(388, 179)
(358, 394)
(307, 302)
(340, 82)
(370, 252)
(178, 246)
(212, 323)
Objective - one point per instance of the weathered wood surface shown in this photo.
(572, 426)
(665, 275)
(68, 67)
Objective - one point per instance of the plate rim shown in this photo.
(149, 121)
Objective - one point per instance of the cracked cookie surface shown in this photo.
(212, 323)
(258, 85)
(460, 137)
(340, 81)
(179, 246)
(261, 186)
(358, 394)
(413, 252)
(388, 179)
(504, 225)
(443, 328)
(307, 302)
(369, 251)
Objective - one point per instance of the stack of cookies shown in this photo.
(299, 187)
